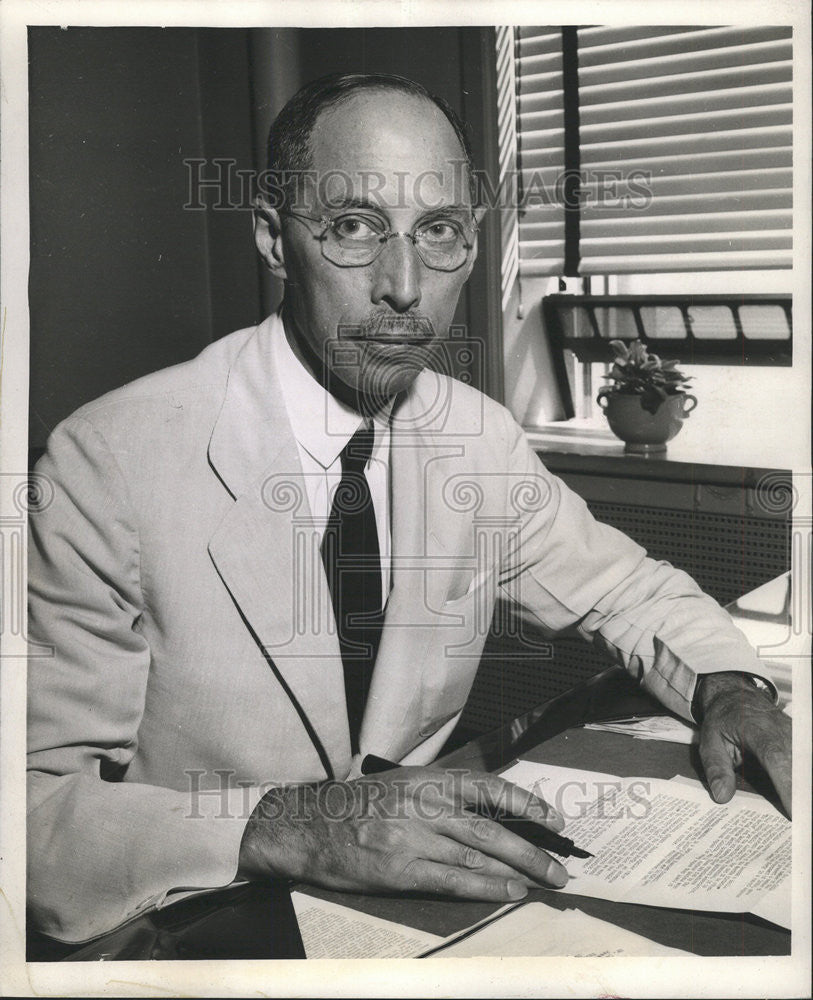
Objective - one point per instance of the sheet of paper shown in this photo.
(656, 727)
(538, 929)
(332, 931)
(681, 779)
(664, 843)
(771, 909)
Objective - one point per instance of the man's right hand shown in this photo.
(405, 830)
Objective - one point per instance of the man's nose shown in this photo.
(398, 274)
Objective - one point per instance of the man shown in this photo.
(235, 543)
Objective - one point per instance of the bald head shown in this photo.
(375, 143)
(291, 137)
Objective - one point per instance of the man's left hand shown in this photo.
(738, 717)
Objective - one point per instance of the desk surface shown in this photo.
(611, 693)
(245, 922)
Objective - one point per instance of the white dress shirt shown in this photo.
(322, 426)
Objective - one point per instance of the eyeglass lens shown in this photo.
(444, 252)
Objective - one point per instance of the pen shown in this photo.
(540, 836)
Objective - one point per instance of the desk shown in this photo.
(237, 923)
(552, 734)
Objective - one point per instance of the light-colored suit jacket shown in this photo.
(193, 656)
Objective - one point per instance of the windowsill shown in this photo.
(580, 430)
(588, 445)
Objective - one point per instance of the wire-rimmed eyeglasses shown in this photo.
(355, 239)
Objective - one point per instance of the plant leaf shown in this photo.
(636, 371)
(652, 398)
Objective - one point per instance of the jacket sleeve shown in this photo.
(100, 850)
(575, 573)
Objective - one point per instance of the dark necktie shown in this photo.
(352, 562)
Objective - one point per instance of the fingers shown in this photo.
(773, 749)
(717, 757)
(411, 830)
(422, 875)
(454, 854)
(490, 839)
(745, 721)
(780, 774)
(481, 789)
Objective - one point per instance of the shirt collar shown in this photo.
(321, 424)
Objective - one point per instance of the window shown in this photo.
(652, 149)
(647, 160)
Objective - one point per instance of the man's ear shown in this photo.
(478, 214)
(268, 236)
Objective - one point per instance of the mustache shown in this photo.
(391, 329)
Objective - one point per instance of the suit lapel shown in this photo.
(267, 553)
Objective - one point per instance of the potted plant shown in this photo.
(647, 401)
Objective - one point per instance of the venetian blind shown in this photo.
(685, 147)
(540, 149)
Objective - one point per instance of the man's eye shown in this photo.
(439, 232)
(353, 227)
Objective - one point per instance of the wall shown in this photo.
(756, 410)
(530, 388)
(124, 280)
